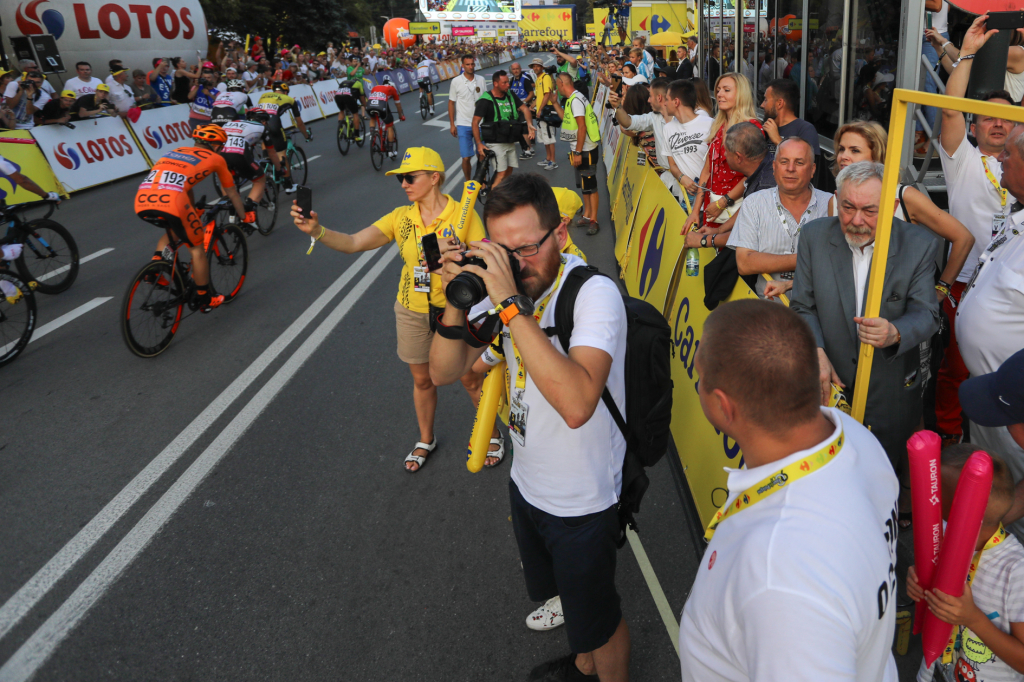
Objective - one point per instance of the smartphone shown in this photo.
(431, 252)
(304, 198)
(1005, 20)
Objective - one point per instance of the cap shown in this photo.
(117, 72)
(419, 158)
(569, 203)
(996, 399)
(208, 65)
(635, 80)
(102, 87)
(537, 61)
(69, 93)
(231, 68)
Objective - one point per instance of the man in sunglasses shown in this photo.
(567, 471)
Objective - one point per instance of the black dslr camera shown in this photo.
(467, 289)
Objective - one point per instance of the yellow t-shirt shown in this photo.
(543, 86)
(400, 225)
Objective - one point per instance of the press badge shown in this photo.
(998, 222)
(519, 412)
(421, 279)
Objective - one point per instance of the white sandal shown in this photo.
(499, 453)
(420, 461)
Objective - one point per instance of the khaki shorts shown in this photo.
(414, 335)
(546, 134)
(504, 155)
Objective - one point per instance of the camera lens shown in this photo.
(465, 290)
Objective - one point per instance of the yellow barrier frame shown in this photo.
(901, 99)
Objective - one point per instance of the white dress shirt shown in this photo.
(861, 270)
(465, 93)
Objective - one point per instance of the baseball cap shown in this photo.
(69, 93)
(117, 72)
(104, 87)
(419, 159)
(996, 399)
(569, 203)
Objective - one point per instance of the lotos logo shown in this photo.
(166, 134)
(660, 24)
(152, 138)
(651, 259)
(30, 23)
(67, 157)
(116, 22)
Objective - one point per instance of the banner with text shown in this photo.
(547, 23)
(161, 130)
(96, 151)
(325, 92)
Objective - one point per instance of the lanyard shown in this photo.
(1003, 194)
(520, 365)
(785, 223)
(778, 480)
(986, 256)
(1000, 535)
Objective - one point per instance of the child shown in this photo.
(989, 617)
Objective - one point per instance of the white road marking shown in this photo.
(64, 268)
(40, 332)
(25, 599)
(44, 641)
(456, 179)
(660, 600)
(313, 158)
(436, 122)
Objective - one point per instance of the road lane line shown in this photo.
(64, 268)
(40, 332)
(25, 599)
(660, 600)
(456, 179)
(34, 653)
(313, 158)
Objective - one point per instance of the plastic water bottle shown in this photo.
(692, 262)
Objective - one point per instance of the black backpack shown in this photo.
(648, 374)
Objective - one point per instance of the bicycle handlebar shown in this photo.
(7, 208)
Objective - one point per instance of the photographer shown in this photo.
(422, 177)
(567, 467)
(91, 106)
(26, 98)
(59, 110)
(497, 125)
(202, 95)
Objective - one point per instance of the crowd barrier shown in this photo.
(18, 147)
(650, 253)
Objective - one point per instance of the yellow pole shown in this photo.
(486, 413)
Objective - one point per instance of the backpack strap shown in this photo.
(903, 205)
(564, 308)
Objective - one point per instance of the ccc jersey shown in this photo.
(242, 135)
(167, 186)
(278, 104)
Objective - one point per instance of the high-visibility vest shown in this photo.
(569, 121)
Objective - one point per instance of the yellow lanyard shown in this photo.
(778, 480)
(520, 365)
(997, 537)
(1003, 194)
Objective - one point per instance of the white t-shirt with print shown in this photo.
(82, 87)
(572, 472)
(973, 200)
(800, 587)
(686, 145)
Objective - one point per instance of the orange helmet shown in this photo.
(210, 133)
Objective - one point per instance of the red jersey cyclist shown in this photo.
(377, 107)
(165, 199)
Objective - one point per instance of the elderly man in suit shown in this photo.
(834, 257)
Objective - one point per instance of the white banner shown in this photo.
(304, 95)
(96, 151)
(325, 92)
(161, 130)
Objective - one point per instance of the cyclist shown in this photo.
(165, 198)
(423, 75)
(350, 97)
(230, 104)
(277, 103)
(238, 153)
(11, 172)
(377, 107)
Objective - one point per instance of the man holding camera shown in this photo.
(58, 110)
(25, 98)
(567, 471)
(93, 105)
(497, 125)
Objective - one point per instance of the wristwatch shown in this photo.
(729, 201)
(514, 305)
(704, 241)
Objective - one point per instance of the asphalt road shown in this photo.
(236, 508)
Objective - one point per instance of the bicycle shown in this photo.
(485, 172)
(160, 291)
(17, 315)
(49, 254)
(379, 143)
(347, 133)
(424, 104)
(296, 158)
(266, 208)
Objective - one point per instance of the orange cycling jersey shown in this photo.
(167, 187)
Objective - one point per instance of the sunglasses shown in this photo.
(407, 177)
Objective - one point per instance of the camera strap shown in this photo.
(478, 337)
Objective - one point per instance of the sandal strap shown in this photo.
(415, 458)
(429, 447)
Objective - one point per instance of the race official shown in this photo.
(798, 581)
(580, 128)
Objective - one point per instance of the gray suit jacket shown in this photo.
(823, 294)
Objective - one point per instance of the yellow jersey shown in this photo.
(543, 86)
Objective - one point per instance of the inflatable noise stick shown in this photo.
(958, 546)
(470, 191)
(486, 412)
(923, 450)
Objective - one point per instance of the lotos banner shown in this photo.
(325, 92)
(547, 23)
(96, 151)
(161, 130)
(18, 147)
(306, 97)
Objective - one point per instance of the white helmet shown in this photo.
(387, 81)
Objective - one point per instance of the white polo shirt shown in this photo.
(465, 93)
(801, 585)
(973, 200)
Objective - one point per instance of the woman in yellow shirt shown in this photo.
(422, 176)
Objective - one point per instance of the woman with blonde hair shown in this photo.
(735, 104)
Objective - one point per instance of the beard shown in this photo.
(538, 277)
(858, 237)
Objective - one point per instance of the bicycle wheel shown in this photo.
(151, 309)
(376, 152)
(17, 319)
(266, 210)
(229, 259)
(297, 162)
(361, 140)
(423, 106)
(343, 141)
(49, 256)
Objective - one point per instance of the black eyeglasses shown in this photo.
(528, 249)
(407, 177)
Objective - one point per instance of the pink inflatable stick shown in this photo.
(965, 518)
(923, 451)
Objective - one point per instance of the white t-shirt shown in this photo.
(465, 93)
(82, 87)
(578, 107)
(423, 68)
(249, 76)
(563, 471)
(973, 199)
(940, 19)
(120, 95)
(801, 585)
(685, 143)
(12, 90)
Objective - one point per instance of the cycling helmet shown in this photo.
(223, 115)
(387, 81)
(281, 85)
(210, 133)
(235, 84)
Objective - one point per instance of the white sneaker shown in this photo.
(551, 166)
(542, 163)
(431, 111)
(547, 617)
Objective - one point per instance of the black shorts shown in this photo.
(574, 558)
(173, 223)
(425, 84)
(347, 103)
(273, 134)
(385, 113)
(586, 172)
(243, 165)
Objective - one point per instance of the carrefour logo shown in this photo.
(67, 156)
(651, 263)
(157, 137)
(30, 23)
(660, 24)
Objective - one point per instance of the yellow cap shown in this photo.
(568, 201)
(69, 93)
(419, 158)
(103, 87)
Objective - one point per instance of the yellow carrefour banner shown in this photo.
(547, 23)
(655, 245)
(658, 17)
(634, 179)
(18, 147)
